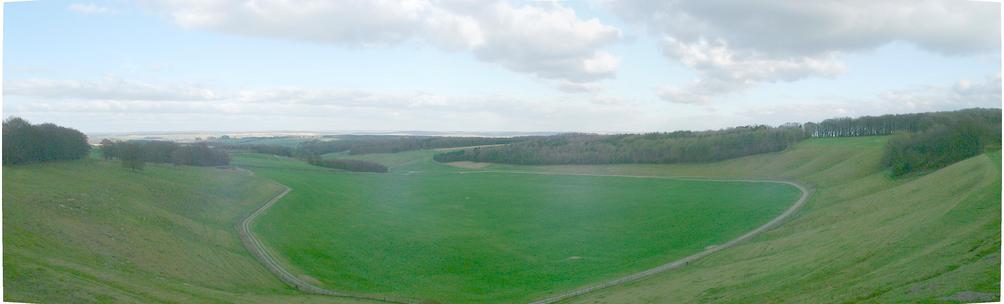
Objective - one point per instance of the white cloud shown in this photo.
(964, 94)
(576, 87)
(106, 89)
(985, 93)
(112, 104)
(88, 8)
(726, 71)
(546, 40)
(735, 45)
(343, 108)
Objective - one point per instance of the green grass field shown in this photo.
(494, 237)
(862, 237)
(91, 231)
(417, 160)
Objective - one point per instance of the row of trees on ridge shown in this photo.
(673, 147)
(922, 141)
(366, 144)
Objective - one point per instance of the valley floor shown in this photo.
(430, 231)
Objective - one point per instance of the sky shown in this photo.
(461, 65)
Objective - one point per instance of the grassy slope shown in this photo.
(439, 235)
(862, 236)
(91, 231)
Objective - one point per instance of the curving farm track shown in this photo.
(259, 251)
(255, 246)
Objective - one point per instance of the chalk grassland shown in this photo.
(91, 231)
(862, 237)
(494, 237)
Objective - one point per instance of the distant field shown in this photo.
(285, 141)
(494, 237)
(401, 161)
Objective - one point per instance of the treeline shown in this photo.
(923, 141)
(348, 164)
(365, 144)
(264, 149)
(26, 143)
(899, 123)
(674, 147)
(154, 151)
(950, 140)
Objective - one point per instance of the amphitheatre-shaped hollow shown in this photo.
(496, 237)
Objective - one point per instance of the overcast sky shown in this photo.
(461, 65)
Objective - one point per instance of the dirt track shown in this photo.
(259, 251)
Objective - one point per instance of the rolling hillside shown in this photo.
(91, 231)
(862, 236)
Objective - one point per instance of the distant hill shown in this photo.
(925, 141)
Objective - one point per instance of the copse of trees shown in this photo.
(130, 152)
(940, 145)
(365, 144)
(199, 154)
(264, 149)
(922, 141)
(157, 151)
(348, 164)
(26, 143)
(674, 147)
(319, 147)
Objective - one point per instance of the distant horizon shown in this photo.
(416, 131)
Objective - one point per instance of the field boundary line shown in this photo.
(258, 250)
(680, 262)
